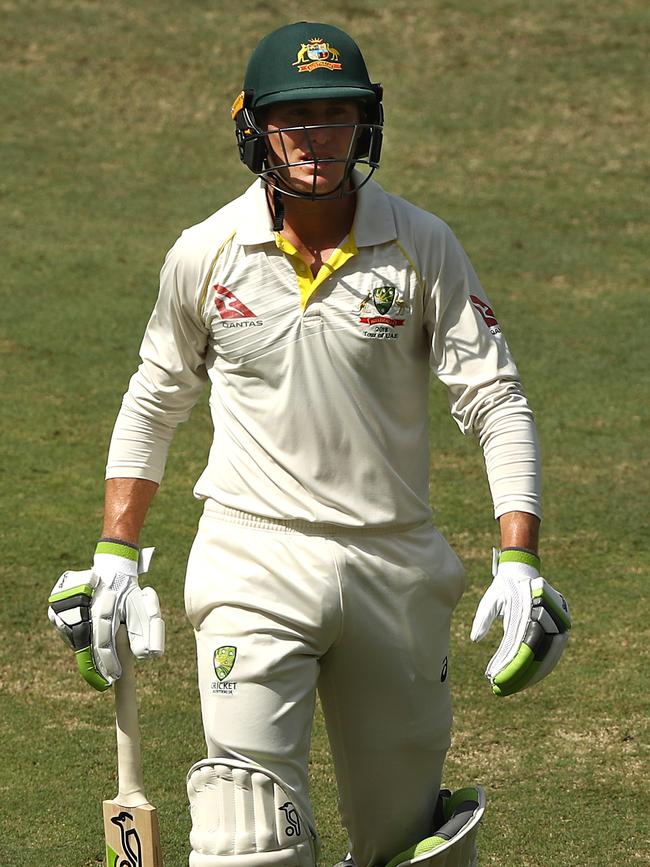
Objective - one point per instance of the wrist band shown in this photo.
(520, 555)
(117, 547)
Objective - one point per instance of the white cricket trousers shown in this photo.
(281, 609)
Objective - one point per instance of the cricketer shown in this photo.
(318, 306)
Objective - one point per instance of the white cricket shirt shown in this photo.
(319, 386)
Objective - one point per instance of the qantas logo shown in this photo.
(229, 306)
(487, 313)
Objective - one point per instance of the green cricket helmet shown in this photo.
(307, 61)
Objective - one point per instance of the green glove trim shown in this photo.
(80, 590)
(86, 666)
(518, 555)
(517, 673)
(559, 612)
(120, 550)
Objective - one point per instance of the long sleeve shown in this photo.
(171, 375)
(471, 357)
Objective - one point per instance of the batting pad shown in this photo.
(242, 816)
(454, 842)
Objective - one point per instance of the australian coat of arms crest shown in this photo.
(317, 54)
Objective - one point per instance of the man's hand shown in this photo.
(88, 607)
(536, 622)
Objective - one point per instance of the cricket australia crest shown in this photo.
(383, 297)
(224, 659)
(382, 311)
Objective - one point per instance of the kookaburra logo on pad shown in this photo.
(293, 828)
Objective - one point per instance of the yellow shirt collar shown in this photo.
(307, 283)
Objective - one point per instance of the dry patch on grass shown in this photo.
(589, 472)
(10, 347)
(478, 754)
(474, 548)
(571, 760)
(47, 672)
(609, 748)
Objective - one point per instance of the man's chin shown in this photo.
(319, 185)
(320, 189)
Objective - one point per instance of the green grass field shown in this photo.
(523, 125)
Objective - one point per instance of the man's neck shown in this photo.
(317, 225)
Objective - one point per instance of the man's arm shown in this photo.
(520, 530)
(126, 503)
(471, 357)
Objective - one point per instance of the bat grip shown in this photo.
(129, 766)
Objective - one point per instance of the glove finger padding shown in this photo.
(70, 613)
(145, 626)
(105, 620)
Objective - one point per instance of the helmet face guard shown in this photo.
(305, 62)
(258, 150)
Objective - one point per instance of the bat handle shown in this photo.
(129, 766)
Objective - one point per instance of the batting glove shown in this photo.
(88, 607)
(536, 622)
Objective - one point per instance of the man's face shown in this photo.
(312, 149)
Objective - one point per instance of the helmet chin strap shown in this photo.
(278, 201)
(279, 192)
(278, 210)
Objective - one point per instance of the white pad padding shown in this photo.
(460, 850)
(242, 816)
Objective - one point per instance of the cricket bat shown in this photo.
(130, 822)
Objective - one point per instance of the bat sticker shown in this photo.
(131, 845)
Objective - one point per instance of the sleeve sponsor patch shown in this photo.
(487, 313)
